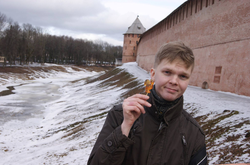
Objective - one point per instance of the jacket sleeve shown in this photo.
(200, 158)
(199, 155)
(111, 144)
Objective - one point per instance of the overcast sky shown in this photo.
(105, 20)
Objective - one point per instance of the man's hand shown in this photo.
(132, 109)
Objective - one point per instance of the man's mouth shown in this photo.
(171, 90)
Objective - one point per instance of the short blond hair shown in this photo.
(174, 50)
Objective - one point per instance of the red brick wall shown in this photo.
(218, 31)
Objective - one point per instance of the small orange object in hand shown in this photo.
(148, 85)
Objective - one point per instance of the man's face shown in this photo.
(171, 79)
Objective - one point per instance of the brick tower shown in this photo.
(131, 39)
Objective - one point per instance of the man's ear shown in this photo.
(152, 73)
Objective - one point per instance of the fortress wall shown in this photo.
(218, 31)
(228, 71)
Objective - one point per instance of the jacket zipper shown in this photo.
(184, 140)
(161, 126)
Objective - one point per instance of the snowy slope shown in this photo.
(54, 117)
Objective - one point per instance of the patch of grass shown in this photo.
(235, 147)
(209, 126)
(75, 127)
(191, 108)
(230, 153)
(233, 138)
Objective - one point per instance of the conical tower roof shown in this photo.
(136, 27)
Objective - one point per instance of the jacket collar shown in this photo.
(170, 114)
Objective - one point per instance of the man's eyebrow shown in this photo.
(166, 68)
(185, 74)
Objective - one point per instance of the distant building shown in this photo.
(131, 40)
(118, 61)
(2, 60)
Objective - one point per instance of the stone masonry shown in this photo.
(218, 31)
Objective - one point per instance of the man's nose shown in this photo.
(174, 79)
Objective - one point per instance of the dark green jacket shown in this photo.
(177, 140)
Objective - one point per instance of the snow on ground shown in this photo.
(54, 117)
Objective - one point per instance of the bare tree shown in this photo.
(29, 33)
(68, 49)
(10, 42)
(29, 44)
(3, 20)
(39, 46)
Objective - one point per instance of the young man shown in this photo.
(154, 129)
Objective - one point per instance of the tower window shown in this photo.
(130, 41)
(128, 35)
(132, 35)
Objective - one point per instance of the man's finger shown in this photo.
(140, 96)
(143, 102)
(133, 109)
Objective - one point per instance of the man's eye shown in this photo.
(183, 77)
(167, 72)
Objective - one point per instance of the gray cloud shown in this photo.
(83, 17)
(46, 13)
(77, 16)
